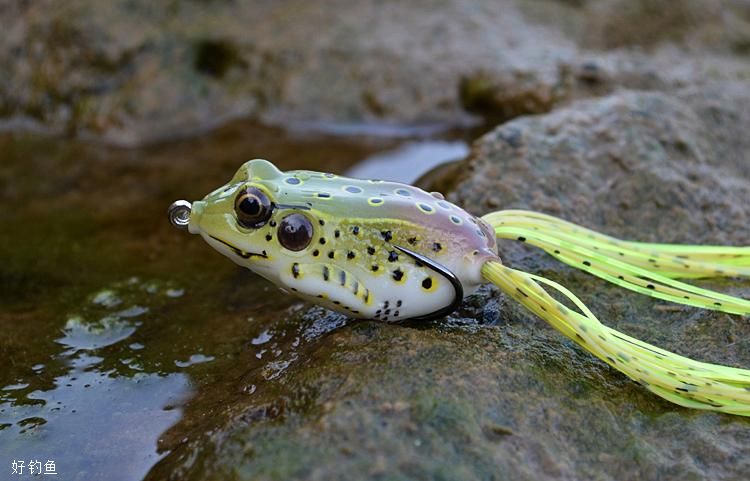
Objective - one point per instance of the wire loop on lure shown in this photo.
(179, 213)
(443, 271)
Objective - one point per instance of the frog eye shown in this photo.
(295, 232)
(253, 208)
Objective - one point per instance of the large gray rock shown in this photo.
(133, 71)
(493, 392)
(622, 162)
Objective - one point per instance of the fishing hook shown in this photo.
(443, 271)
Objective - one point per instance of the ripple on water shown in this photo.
(109, 330)
(16, 387)
(262, 338)
(106, 298)
(274, 369)
(194, 359)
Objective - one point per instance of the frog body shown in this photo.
(352, 262)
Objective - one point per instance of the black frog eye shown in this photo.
(295, 232)
(252, 207)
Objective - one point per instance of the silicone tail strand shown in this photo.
(676, 378)
(649, 269)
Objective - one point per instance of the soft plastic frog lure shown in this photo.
(390, 251)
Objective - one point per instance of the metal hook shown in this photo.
(179, 213)
(445, 272)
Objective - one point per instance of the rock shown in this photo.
(493, 392)
(621, 162)
(645, 166)
(130, 72)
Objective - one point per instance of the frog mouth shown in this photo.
(240, 252)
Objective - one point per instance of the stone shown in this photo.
(131, 72)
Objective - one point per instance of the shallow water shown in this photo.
(420, 156)
(123, 337)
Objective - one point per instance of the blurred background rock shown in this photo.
(135, 71)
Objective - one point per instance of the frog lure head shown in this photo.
(390, 251)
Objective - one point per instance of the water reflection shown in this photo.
(383, 130)
(194, 359)
(96, 419)
(410, 161)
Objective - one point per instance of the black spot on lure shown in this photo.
(382, 240)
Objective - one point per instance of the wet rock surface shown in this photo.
(492, 392)
(130, 72)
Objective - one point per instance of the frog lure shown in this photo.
(390, 251)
